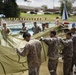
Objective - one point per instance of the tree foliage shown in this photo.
(72, 1)
(68, 5)
(25, 0)
(9, 8)
(44, 6)
(1, 7)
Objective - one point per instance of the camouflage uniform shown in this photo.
(52, 54)
(74, 51)
(32, 50)
(36, 29)
(67, 56)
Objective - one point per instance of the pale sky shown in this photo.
(39, 3)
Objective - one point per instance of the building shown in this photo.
(28, 8)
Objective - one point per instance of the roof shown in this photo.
(29, 7)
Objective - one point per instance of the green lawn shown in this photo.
(46, 17)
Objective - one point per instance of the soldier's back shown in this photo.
(34, 56)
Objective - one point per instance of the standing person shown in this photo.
(32, 50)
(36, 29)
(46, 26)
(53, 54)
(43, 26)
(67, 53)
(57, 22)
(24, 29)
(73, 31)
(5, 29)
(23, 26)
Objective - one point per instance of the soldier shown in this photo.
(67, 53)
(73, 31)
(32, 50)
(36, 29)
(53, 54)
(24, 29)
(43, 26)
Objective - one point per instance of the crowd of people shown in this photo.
(33, 52)
(36, 29)
(33, 49)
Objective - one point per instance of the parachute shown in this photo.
(10, 62)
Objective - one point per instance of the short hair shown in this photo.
(35, 22)
(73, 28)
(69, 33)
(26, 34)
(53, 32)
(23, 23)
(57, 17)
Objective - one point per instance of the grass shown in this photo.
(46, 17)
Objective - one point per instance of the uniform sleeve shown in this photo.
(48, 41)
(61, 40)
(65, 43)
(73, 37)
(24, 52)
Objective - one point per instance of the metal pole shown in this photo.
(53, 4)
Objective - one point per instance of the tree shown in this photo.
(1, 7)
(11, 9)
(25, 0)
(72, 1)
(44, 6)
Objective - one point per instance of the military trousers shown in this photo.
(52, 66)
(67, 62)
(34, 71)
(73, 62)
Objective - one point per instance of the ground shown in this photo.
(48, 17)
(44, 69)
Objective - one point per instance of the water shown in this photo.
(30, 31)
(70, 26)
(28, 25)
(18, 31)
(17, 27)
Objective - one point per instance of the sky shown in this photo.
(39, 3)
